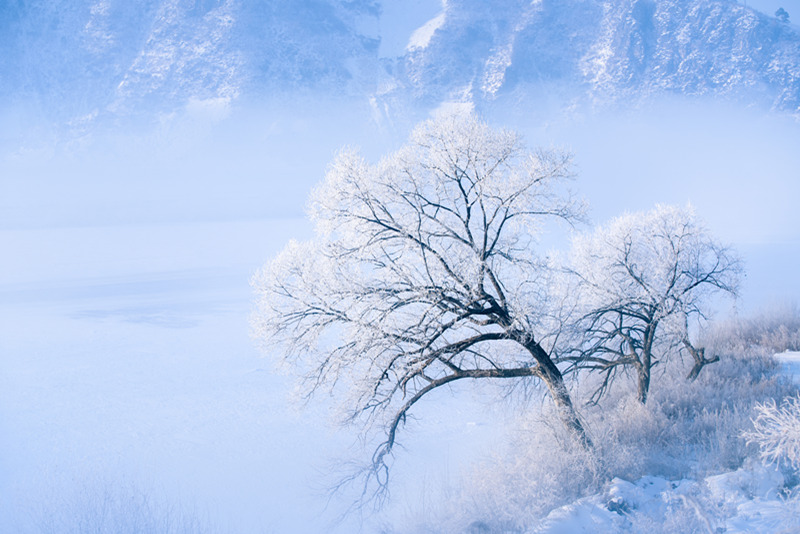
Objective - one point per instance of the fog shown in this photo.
(736, 166)
(127, 367)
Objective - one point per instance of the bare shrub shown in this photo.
(112, 508)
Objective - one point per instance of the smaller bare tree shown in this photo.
(423, 272)
(640, 280)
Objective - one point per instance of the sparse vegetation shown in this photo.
(113, 507)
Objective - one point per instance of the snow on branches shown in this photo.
(423, 271)
(777, 431)
(640, 279)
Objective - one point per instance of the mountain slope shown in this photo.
(609, 50)
(76, 57)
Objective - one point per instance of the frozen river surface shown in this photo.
(127, 372)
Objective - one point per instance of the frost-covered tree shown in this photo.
(423, 272)
(782, 15)
(639, 281)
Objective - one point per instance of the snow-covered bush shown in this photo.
(777, 431)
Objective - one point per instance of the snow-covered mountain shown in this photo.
(609, 50)
(82, 57)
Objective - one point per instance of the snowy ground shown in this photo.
(749, 500)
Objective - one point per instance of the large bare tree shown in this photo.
(423, 272)
(640, 280)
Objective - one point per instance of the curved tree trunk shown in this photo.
(552, 377)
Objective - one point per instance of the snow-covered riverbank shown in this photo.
(753, 499)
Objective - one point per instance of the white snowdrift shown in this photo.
(752, 499)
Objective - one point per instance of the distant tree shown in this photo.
(640, 279)
(782, 15)
(423, 272)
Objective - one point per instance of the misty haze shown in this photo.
(399, 266)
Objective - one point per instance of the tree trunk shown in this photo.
(643, 379)
(645, 364)
(554, 380)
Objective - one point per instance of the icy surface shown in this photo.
(128, 372)
(791, 364)
(126, 360)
